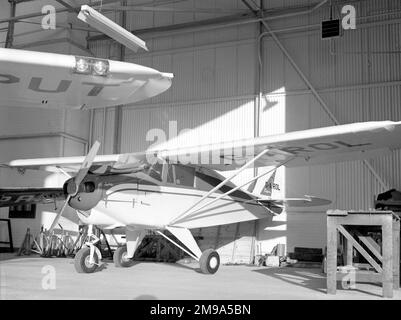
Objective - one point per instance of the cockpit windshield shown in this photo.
(181, 175)
(156, 171)
(174, 174)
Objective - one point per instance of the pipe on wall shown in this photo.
(10, 31)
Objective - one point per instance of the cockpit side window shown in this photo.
(170, 173)
(155, 171)
(184, 176)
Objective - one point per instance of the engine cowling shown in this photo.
(88, 196)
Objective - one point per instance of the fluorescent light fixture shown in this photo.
(110, 28)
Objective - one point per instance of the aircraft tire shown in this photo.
(209, 261)
(119, 260)
(81, 261)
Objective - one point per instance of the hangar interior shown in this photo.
(234, 78)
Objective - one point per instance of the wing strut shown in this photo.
(181, 247)
(225, 181)
(190, 213)
(234, 189)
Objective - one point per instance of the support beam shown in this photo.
(387, 248)
(118, 109)
(44, 135)
(220, 22)
(358, 247)
(331, 256)
(10, 31)
(40, 14)
(350, 254)
(396, 254)
(68, 6)
(372, 246)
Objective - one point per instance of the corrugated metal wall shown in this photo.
(358, 76)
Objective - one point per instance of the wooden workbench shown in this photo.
(387, 271)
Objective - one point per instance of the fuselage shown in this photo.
(153, 199)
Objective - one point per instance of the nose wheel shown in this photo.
(209, 261)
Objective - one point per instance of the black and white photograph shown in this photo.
(201, 155)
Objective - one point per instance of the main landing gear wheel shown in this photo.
(121, 259)
(82, 263)
(209, 261)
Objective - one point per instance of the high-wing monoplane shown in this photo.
(178, 189)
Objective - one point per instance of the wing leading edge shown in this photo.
(298, 148)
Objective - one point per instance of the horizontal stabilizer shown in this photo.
(308, 201)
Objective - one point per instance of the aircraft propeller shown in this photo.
(73, 187)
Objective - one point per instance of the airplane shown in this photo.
(178, 189)
(59, 81)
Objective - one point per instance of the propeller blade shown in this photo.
(57, 218)
(83, 171)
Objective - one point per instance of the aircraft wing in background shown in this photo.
(22, 196)
(56, 81)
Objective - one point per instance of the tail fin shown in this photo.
(267, 188)
(269, 185)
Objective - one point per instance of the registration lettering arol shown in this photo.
(321, 146)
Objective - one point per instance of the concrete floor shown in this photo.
(23, 278)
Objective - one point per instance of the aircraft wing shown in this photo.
(298, 148)
(21, 196)
(114, 163)
(49, 80)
